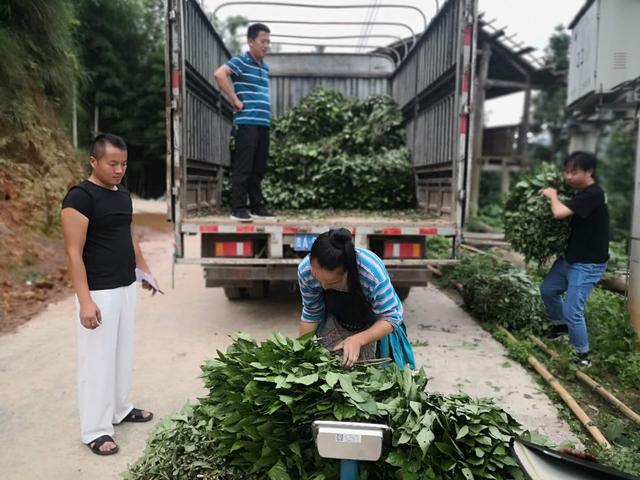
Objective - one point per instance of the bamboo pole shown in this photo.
(542, 346)
(507, 333)
(597, 387)
(564, 394)
(608, 396)
(473, 249)
(438, 273)
(570, 402)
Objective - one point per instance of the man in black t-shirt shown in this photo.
(568, 284)
(102, 257)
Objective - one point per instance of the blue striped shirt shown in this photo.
(375, 282)
(251, 84)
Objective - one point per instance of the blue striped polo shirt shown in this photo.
(376, 285)
(251, 84)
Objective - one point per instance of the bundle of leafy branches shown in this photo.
(528, 222)
(496, 291)
(256, 421)
(332, 151)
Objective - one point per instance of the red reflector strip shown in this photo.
(466, 82)
(429, 231)
(290, 230)
(208, 228)
(402, 250)
(464, 125)
(234, 249)
(392, 231)
(175, 79)
(467, 35)
(245, 229)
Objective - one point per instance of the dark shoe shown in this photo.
(557, 332)
(137, 416)
(582, 360)
(262, 212)
(98, 442)
(241, 216)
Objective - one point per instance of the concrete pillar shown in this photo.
(505, 177)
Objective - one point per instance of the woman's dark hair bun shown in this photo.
(340, 237)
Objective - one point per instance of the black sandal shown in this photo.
(136, 416)
(95, 445)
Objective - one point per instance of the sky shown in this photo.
(533, 21)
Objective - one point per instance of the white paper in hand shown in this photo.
(142, 276)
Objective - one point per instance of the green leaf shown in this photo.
(332, 378)
(464, 431)
(347, 386)
(278, 472)
(424, 439)
(307, 379)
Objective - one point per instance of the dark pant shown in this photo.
(249, 166)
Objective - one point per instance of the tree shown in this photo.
(228, 31)
(122, 54)
(549, 105)
(37, 57)
(616, 172)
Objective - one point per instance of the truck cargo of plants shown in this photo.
(431, 85)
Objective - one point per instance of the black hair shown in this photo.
(335, 249)
(102, 140)
(254, 30)
(582, 160)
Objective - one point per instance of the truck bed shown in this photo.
(323, 219)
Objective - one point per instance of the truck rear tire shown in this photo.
(403, 292)
(233, 293)
(258, 289)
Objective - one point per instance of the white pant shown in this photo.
(105, 361)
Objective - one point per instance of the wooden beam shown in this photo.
(478, 127)
(506, 84)
(525, 50)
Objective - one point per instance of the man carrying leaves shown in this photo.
(568, 284)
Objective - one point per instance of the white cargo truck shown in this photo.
(433, 86)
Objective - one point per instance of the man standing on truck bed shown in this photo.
(245, 80)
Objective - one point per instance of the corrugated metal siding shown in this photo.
(430, 110)
(207, 124)
(424, 85)
(433, 57)
(287, 92)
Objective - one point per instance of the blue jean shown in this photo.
(564, 292)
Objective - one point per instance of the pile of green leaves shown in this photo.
(496, 291)
(256, 421)
(528, 222)
(332, 151)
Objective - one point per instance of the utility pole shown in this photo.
(634, 251)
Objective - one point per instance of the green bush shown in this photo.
(496, 291)
(611, 337)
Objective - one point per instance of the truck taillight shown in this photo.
(395, 249)
(234, 249)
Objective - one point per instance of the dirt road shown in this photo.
(39, 437)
